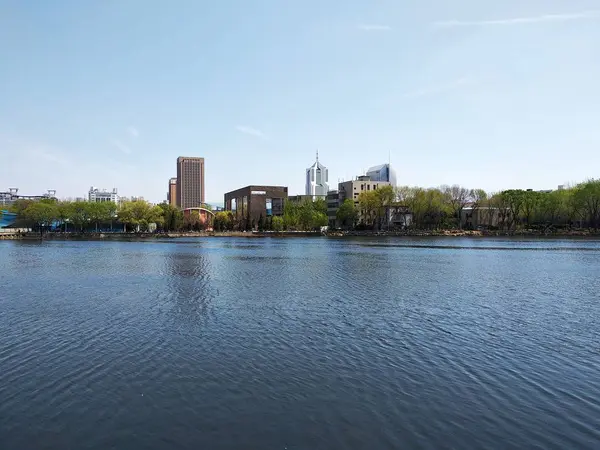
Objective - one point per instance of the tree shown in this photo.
(347, 215)
(64, 213)
(531, 200)
(223, 221)
(553, 207)
(172, 217)
(385, 198)
(139, 214)
(513, 200)
(19, 206)
(458, 197)
(306, 215)
(587, 197)
(277, 223)
(291, 213)
(41, 214)
(479, 199)
(320, 205)
(368, 202)
(79, 214)
(99, 212)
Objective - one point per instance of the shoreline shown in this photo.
(119, 236)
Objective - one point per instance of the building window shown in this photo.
(368, 187)
(269, 206)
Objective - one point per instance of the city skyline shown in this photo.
(486, 96)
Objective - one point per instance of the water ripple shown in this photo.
(304, 343)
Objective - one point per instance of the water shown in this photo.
(300, 344)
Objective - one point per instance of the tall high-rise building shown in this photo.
(317, 177)
(190, 182)
(383, 172)
(172, 193)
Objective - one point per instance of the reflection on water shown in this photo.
(190, 286)
(300, 343)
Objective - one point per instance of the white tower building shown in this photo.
(317, 177)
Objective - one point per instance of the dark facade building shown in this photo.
(172, 193)
(333, 204)
(253, 202)
(190, 182)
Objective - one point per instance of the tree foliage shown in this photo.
(172, 217)
(139, 214)
(444, 207)
(373, 206)
(304, 216)
(347, 214)
(224, 221)
(40, 214)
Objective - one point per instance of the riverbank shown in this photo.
(32, 236)
(149, 236)
(467, 233)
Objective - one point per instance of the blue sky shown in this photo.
(485, 94)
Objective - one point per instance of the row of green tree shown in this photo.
(433, 208)
(446, 207)
(297, 216)
(87, 216)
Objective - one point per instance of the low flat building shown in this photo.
(12, 195)
(96, 195)
(399, 216)
(253, 202)
(484, 216)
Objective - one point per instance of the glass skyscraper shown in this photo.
(383, 172)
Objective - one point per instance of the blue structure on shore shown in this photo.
(7, 218)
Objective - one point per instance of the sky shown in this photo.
(492, 95)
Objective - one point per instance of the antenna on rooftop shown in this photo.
(317, 155)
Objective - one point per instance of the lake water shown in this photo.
(300, 344)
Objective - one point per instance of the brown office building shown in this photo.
(190, 182)
(172, 193)
(252, 202)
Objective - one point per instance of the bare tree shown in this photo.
(458, 198)
(479, 198)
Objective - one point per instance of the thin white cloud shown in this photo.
(35, 151)
(374, 27)
(251, 131)
(133, 132)
(124, 148)
(42, 153)
(440, 88)
(520, 20)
